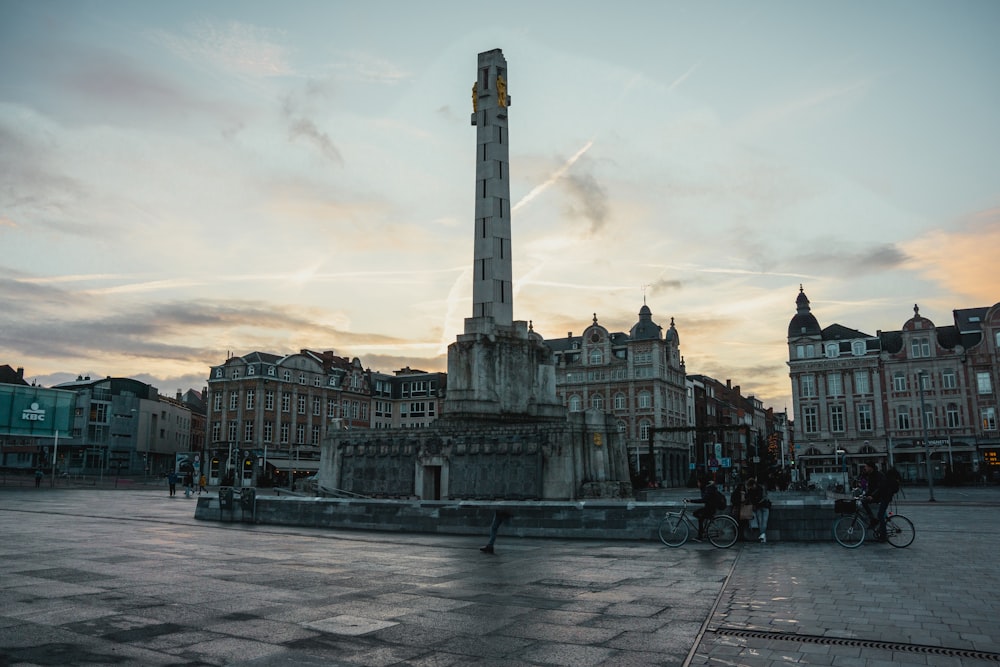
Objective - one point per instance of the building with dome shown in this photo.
(637, 377)
(862, 397)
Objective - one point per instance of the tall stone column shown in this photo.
(491, 288)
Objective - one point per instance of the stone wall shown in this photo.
(577, 457)
(808, 520)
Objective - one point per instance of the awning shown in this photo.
(286, 464)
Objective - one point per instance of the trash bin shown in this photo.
(247, 497)
(226, 498)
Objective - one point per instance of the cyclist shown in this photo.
(713, 501)
(879, 490)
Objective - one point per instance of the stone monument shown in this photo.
(503, 432)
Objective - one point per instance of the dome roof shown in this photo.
(645, 328)
(672, 333)
(804, 323)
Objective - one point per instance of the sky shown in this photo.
(182, 181)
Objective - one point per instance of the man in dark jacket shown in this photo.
(713, 500)
(879, 490)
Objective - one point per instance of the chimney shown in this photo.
(20, 372)
(178, 394)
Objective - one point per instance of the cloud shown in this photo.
(852, 261)
(300, 126)
(589, 199)
(961, 259)
(234, 47)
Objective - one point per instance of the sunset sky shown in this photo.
(184, 180)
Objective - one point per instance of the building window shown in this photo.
(236, 374)
(954, 417)
(233, 426)
(216, 431)
(286, 375)
(903, 418)
(301, 405)
(865, 417)
(596, 357)
(622, 427)
(270, 371)
(250, 371)
(268, 431)
(284, 434)
(645, 400)
(286, 402)
(858, 348)
(644, 426)
(317, 406)
(800, 351)
(218, 372)
(218, 402)
(925, 381)
(597, 402)
(331, 407)
(269, 400)
(989, 416)
(929, 418)
(807, 386)
(862, 385)
(248, 431)
(810, 416)
(948, 379)
(300, 434)
(899, 382)
(984, 383)
(834, 384)
(832, 350)
(620, 401)
(575, 404)
(234, 400)
(920, 347)
(837, 418)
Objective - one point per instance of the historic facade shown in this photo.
(859, 396)
(267, 414)
(639, 379)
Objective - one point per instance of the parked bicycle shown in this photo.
(675, 528)
(851, 527)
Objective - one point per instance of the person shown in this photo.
(202, 484)
(712, 501)
(879, 490)
(172, 482)
(741, 509)
(188, 485)
(499, 516)
(38, 478)
(757, 497)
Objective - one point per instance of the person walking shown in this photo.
(499, 516)
(202, 484)
(188, 485)
(757, 497)
(172, 483)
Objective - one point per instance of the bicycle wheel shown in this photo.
(673, 530)
(723, 531)
(899, 531)
(849, 531)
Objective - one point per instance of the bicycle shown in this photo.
(851, 528)
(675, 528)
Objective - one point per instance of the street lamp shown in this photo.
(923, 423)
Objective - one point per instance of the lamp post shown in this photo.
(923, 424)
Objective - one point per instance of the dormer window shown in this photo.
(832, 350)
(858, 348)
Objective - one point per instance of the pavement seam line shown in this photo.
(711, 613)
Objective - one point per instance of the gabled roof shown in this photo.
(9, 376)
